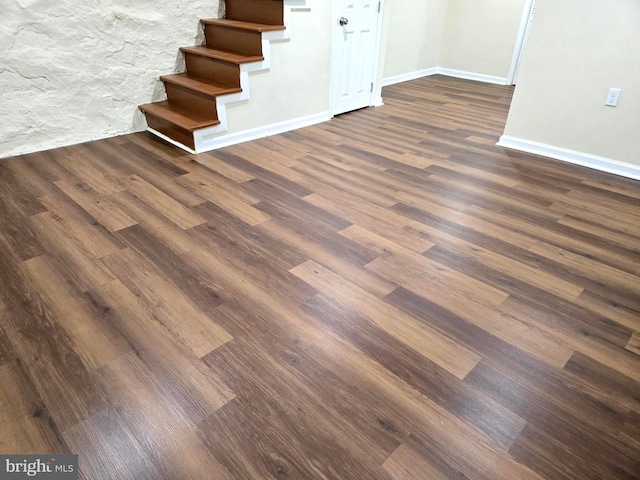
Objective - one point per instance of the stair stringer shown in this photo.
(211, 138)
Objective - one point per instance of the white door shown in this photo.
(355, 54)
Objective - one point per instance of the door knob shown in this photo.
(343, 21)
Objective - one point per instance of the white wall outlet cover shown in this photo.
(612, 97)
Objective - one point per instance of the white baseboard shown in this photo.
(602, 164)
(479, 77)
(210, 142)
(406, 77)
(170, 140)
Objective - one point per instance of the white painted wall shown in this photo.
(477, 37)
(297, 85)
(72, 71)
(577, 50)
(480, 35)
(414, 34)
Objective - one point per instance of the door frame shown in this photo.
(374, 100)
(521, 41)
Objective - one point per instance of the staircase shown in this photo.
(216, 73)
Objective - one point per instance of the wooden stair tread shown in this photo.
(201, 85)
(254, 27)
(231, 57)
(179, 116)
(213, 69)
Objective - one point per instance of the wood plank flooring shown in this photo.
(384, 296)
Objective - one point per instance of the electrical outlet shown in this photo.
(612, 97)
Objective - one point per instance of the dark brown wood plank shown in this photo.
(155, 417)
(603, 383)
(227, 232)
(27, 426)
(247, 450)
(289, 203)
(16, 203)
(77, 248)
(107, 449)
(425, 340)
(172, 237)
(497, 423)
(165, 302)
(95, 341)
(193, 388)
(287, 408)
(595, 336)
(100, 207)
(200, 289)
(46, 350)
(388, 295)
(6, 354)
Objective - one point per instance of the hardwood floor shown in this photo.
(384, 296)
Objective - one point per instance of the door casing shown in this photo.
(521, 41)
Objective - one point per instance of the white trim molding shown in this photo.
(406, 77)
(521, 40)
(170, 140)
(208, 139)
(478, 77)
(602, 164)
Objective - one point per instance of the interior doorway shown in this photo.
(356, 50)
(521, 42)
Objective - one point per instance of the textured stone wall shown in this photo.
(73, 71)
